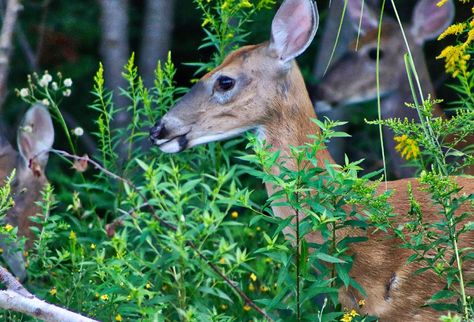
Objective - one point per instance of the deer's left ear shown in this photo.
(293, 28)
(429, 20)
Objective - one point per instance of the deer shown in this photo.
(35, 137)
(260, 88)
(352, 79)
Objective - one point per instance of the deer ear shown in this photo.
(361, 13)
(429, 20)
(36, 136)
(293, 28)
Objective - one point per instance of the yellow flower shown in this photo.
(455, 29)
(348, 316)
(8, 228)
(247, 308)
(92, 246)
(253, 277)
(264, 289)
(407, 147)
(361, 303)
(224, 307)
(118, 318)
(441, 3)
(104, 297)
(251, 287)
(222, 261)
(148, 286)
(245, 4)
(259, 228)
(72, 235)
(234, 214)
(53, 291)
(1, 250)
(206, 21)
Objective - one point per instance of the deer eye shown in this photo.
(373, 53)
(224, 84)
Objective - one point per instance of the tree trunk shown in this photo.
(115, 51)
(6, 37)
(157, 30)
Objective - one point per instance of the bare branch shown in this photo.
(18, 299)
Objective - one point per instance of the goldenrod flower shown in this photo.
(348, 316)
(264, 289)
(455, 29)
(104, 297)
(407, 147)
(93, 246)
(253, 277)
(234, 214)
(361, 303)
(247, 308)
(118, 318)
(441, 3)
(245, 4)
(53, 291)
(148, 286)
(222, 261)
(251, 287)
(8, 228)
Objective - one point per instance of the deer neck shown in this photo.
(289, 125)
(291, 114)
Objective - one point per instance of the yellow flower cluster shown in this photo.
(347, 317)
(407, 147)
(457, 57)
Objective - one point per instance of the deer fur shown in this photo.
(34, 138)
(267, 94)
(352, 79)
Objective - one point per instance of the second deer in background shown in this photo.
(35, 138)
(352, 79)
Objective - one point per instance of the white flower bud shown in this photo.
(24, 92)
(67, 93)
(68, 82)
(54, 86)
(45, 102)
(78, 131)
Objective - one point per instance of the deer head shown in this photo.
(255, 88)
(353, 79)
(35, 138)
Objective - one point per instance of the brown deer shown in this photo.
(261, 88)
(34, 138)
(352, 79)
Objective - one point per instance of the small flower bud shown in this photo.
(67, 93)
(24, 92)
(45, 102)
(68, 82)
(78, 131)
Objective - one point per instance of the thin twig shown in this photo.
(148, 205)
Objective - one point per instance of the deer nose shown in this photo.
(158, 131)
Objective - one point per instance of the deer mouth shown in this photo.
(173, 145)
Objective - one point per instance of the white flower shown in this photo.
(67, 93)
(45, 102)
(78, 131)
(24, 92)
(54, 86)
(68, 82)
(45, 80)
